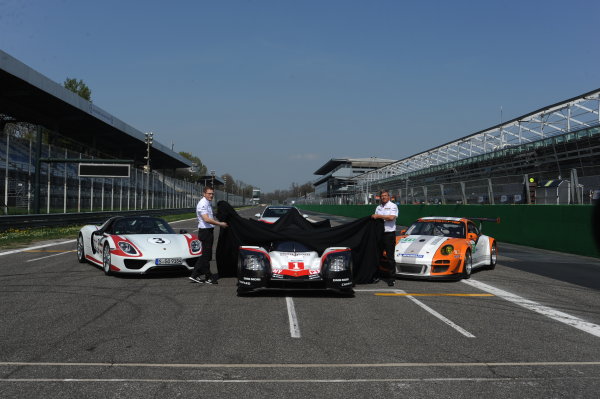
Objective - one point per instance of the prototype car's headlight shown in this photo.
(195, 246)
(253, 262)
(127, 248)
(447, 250)
(337, 264)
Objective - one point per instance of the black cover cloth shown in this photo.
(363, 236)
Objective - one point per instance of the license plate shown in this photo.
(169, 261)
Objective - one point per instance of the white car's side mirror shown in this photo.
(305, 216)
(257, 215)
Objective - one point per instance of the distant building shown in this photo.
(255, 196)
(337, 172)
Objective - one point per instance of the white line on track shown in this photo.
(288, 381)
(294, 328)
(438, 315)
(557, 315)
(296, 365)
(49, 256)
(16, 251)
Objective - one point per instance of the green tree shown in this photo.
(192, 175)
(78, 87)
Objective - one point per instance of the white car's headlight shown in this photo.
(127, 248)
(195, 246)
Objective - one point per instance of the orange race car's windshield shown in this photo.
(437, 228)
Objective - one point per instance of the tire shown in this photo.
(467, 266)
(106, 260)
(80, 250)
(493, 257)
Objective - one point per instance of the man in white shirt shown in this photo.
(388, 211)
(206, 227)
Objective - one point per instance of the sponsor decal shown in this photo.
(408, 239)
(340, 279)
(296, 265)
(252, 278)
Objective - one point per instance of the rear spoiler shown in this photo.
(480, 220)
(496, 220)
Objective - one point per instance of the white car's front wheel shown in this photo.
(106, 260)
(80, 249)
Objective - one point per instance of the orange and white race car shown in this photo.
(441, 247)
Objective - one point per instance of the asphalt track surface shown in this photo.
(528, 329)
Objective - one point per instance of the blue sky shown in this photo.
(268, 91)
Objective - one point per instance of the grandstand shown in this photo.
(42, 124)
(518, 161)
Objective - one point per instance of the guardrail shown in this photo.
(68, 219)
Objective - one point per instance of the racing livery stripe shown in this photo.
(423, 247)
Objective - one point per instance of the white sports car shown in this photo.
(137, 244)
(271, 214)
(290, 264)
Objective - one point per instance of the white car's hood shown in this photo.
(418, 249)
(160, 245)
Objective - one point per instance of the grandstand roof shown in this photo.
(371, 162)
(31, 97)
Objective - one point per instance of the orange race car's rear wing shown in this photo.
(496, 220)
(480, 220)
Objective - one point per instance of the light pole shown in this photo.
(149, 141)
(212, 173)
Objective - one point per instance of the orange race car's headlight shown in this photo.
(447, 250)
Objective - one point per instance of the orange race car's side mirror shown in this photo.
(472, 236)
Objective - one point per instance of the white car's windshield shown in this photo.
(144, 225)
(437, 228)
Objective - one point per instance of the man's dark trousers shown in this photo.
(389, 245)
(202, 266)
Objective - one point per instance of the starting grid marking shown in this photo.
(547, 311)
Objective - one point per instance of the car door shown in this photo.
(479, 246)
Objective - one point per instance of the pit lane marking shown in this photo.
(557, 315)
(294, 327)
(50, 256)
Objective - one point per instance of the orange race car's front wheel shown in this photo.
(467, 266)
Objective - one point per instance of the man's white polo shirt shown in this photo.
(204, 208)
(388, 209)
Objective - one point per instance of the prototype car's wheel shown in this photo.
(493, 257)
(467, 266)
(80, 249)
(106, 260)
